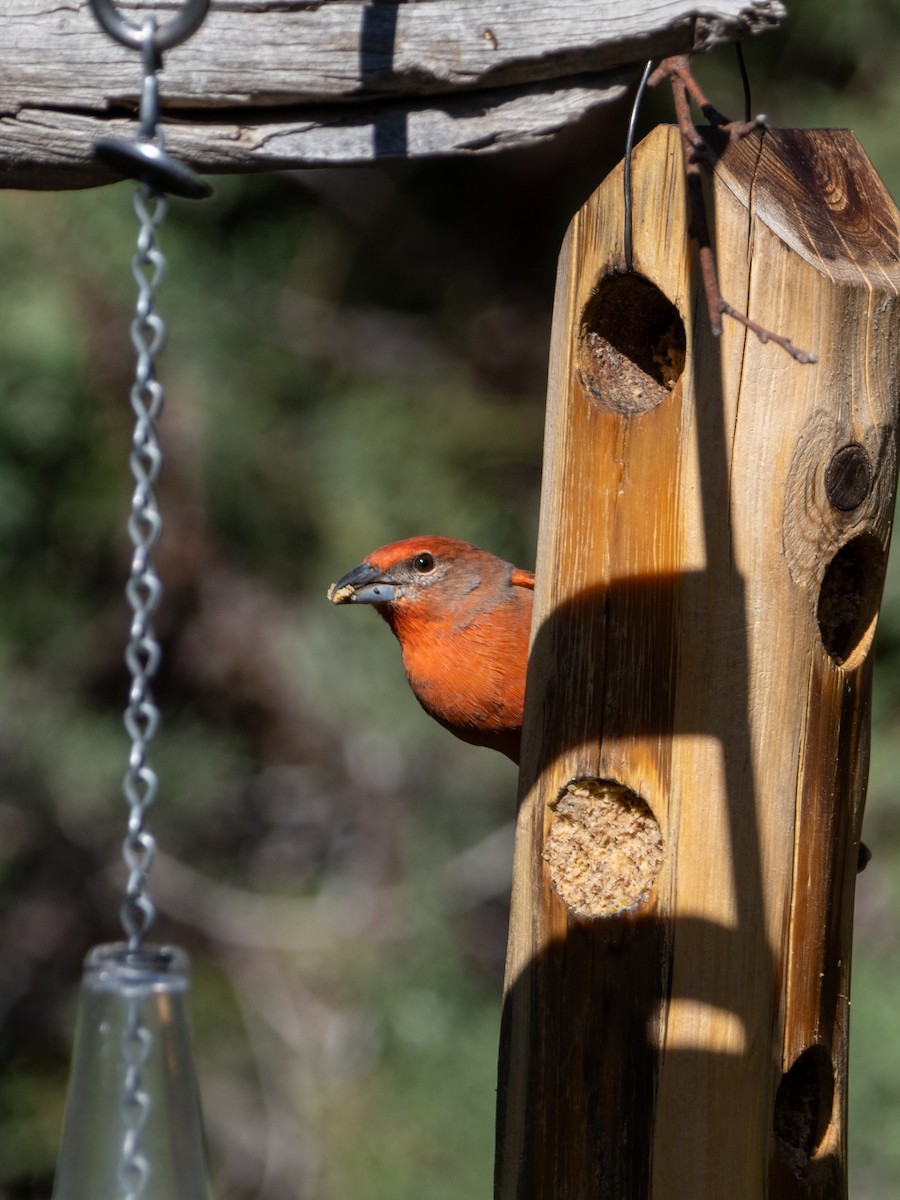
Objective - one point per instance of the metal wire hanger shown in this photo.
(629, 145)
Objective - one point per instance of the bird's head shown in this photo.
(462, 617)
(416, 572)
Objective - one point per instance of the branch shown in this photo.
(696, 150)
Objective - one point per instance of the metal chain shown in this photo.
(142, 653)
(143, 590)
(146, 160)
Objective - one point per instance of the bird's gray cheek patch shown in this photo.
(604, 848)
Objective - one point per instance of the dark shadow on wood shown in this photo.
(376, 61)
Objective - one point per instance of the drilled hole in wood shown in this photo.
(803, 1105)
(631, 345)
(849, 599)
(604, 848)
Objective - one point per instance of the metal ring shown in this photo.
(171, 33)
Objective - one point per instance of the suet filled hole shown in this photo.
(631, 345)
(604, 847)
(803, 1105)
(849, 599)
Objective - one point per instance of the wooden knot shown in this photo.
(848, 477)
(836, 528)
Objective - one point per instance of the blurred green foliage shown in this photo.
(355, 356)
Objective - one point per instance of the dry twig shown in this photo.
(696, 149)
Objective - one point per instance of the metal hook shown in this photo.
(629, 146)
(145, 159)
(171, 33)
(152, 167)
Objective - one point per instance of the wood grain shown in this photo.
(704, 614)
(265, 85)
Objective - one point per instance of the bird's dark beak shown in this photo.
(365, 584)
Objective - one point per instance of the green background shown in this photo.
(355, 356)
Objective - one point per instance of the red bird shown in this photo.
(462, 618)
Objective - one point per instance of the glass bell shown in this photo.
(132, 1127)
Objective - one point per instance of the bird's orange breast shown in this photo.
(470, 674)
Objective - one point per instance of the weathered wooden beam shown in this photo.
(714, 533)
(265, 86)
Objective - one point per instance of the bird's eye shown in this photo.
(423, 563)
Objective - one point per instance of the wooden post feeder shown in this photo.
(714, 532)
